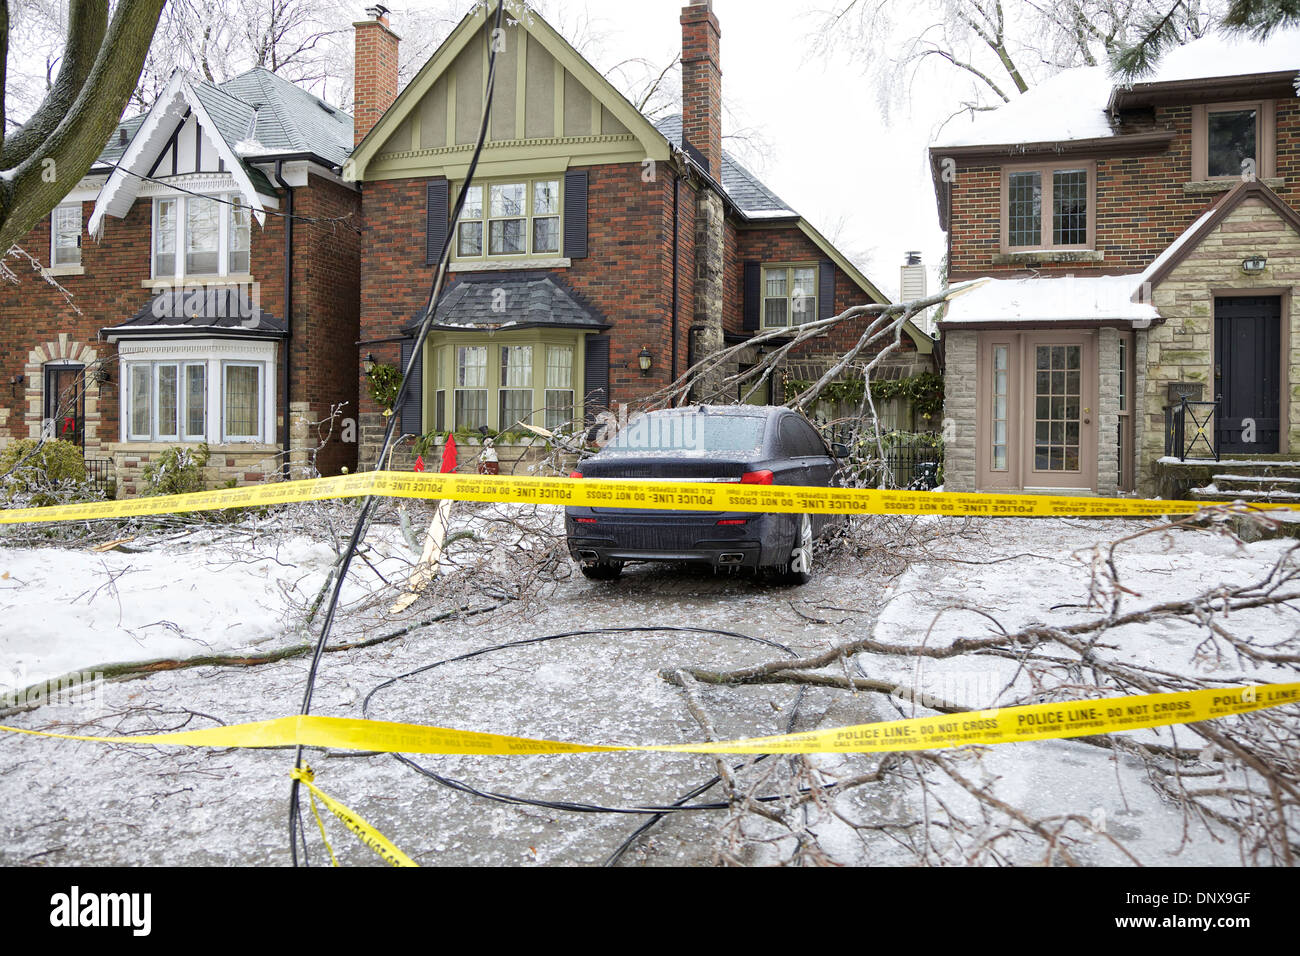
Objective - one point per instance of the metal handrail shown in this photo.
(1176, 421)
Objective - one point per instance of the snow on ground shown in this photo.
(78, 803)
(70, 609)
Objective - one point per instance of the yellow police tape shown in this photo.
(1005, 725)
(363, 830)
(613, 493)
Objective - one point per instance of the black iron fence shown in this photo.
(1191, 430)
(912, 460)
(99, 472)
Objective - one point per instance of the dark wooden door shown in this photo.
(1247, 373)
(65, 403)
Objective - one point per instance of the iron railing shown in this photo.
(1191, 427)
(99, 472)
(911, 460)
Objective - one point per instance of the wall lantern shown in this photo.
(645, 359)
(368, 365)
(101, 376)
(1254, 265)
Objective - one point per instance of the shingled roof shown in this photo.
(743, 188)
(260, 115)
(220, 311)
(514, 300)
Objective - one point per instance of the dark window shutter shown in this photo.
(826, 289)
(413, 399)
(575, 214)
(435, 226)
(596, 375)
(753, 295)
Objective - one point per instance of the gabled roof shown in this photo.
(743, 188)
(532, 299)
(259, 114)
(1180, 248)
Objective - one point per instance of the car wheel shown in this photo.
(799, 568)
(602, 570)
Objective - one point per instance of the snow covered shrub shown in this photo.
(53, 473)
(177, 471)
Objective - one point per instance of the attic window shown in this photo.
(121, 136)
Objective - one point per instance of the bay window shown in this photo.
(529, 379)
(197, 236)
(510, 219)
(218, 392)
(1048, 207)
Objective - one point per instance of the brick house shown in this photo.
(1141, 244)
(197, 310)
(599, 254)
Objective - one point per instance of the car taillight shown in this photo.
(756, 478)
(575, 474)
(733, 521)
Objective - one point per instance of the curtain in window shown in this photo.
(243, 401)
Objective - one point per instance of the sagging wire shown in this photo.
(296, 828)
(657, 813)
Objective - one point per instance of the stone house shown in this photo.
(1141, 244)
(210, 263)
(599, 254)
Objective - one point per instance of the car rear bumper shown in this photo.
(762, 541)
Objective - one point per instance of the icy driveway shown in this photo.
(75, 803)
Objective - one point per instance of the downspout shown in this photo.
(677, 181)
(288, 307)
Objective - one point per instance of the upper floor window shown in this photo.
(789, 295)
(200, 236)
(510, 219)
(1047, 207)
(65, 235)
(1233, 140)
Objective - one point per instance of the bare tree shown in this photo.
(55, 147)
(993, 51)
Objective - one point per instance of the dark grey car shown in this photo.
(745, 444)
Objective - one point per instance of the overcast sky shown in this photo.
(833, 158)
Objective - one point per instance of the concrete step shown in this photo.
(1256, 482)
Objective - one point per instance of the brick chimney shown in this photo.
(374, 84)
(702, 82)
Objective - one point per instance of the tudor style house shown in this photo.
(1141, 245)
(210, 260)
(598, 255)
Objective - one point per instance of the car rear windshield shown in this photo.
(691, 433)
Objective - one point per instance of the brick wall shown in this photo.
(1142, 202)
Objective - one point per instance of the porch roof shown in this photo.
(1051, 301)
(496, 300)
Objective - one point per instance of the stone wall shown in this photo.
(961, 387)
(1181, 349)
(1107, 412)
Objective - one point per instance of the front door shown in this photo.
(65, 403)
(1247, 373)
(1060, 431)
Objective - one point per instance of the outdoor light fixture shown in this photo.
(645, 359)
(1254, 265)
(101, 376)
(369, 365)
(14, 382)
